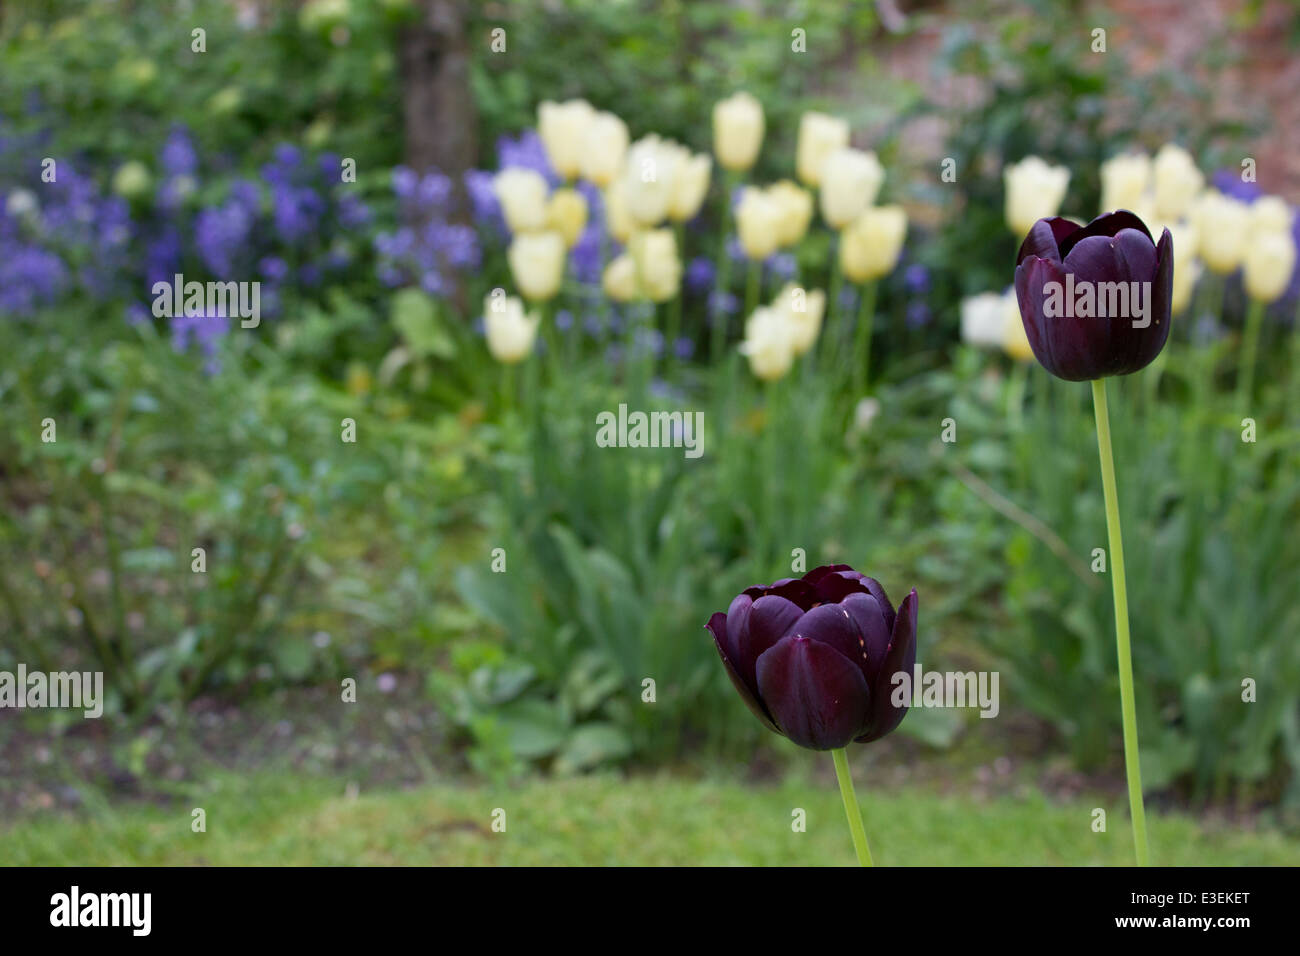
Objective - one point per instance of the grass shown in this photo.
(275, 820)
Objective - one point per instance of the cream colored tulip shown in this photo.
(1177, 182)
(804, 310)
(658, 267)
(796, 211)
(983, 320)
(1124, 180)
(1187, 269)
(563, 129)
(604, 149)
(1270, 214)
(1222, 225)
(769, 344)
(567, 214)
(690, 187)
(537, 264)
(819, 136)
(1184, 282)
(1267, 265)
(737, 131)
(851, 179)
(510, 330)
(522, 194)
(1034, 191)
(618, 220)
(1015, 340)
(619, 280)
(650, 179)
(758, 223)
(871, 244)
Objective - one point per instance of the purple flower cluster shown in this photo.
(427, 246)
(289, 225)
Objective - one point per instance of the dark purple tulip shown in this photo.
(1110, 337)
(814, 657)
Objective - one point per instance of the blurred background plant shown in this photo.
(814, 286)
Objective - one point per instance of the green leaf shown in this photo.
(415, 316)
(592, 745)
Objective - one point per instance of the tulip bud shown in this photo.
(1034, 191)
(649, 180)
(1185, 279)
(815, 658)
(567, 214)
(850, 180)
(1187, 269)
(618, 220)
(1124, 180)
(758, 223)
(619, 280)
(689, 188)
(604, 149)
(563, 129)
(769, 344)
(510, 331)
(982, 320)
(537, 264)
(737, 131)
(1015, 342)
(658, 269)
(795, 211)
(1095, 300)
(819, 136)
(870, 246)
(1177, 181)
(1270, 214)
(1267, 265)
(522, 194)
(803, 310)
(1222, 225)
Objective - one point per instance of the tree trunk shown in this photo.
(437, 106)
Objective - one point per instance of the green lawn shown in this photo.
(607, 820)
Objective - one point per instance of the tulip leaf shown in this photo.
(534, 728)
(592, 745)
(415, 315)
(934, 727)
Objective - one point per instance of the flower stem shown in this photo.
(1128, 710)
(862, 344)
(851, 806)
(753, 285)
(1249, 350)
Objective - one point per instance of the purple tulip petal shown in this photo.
(1109, 224)
(817, 696)
(737, 623)
(835, 587)
(833, 624)
(717, 626)
(901, 658)
(873, 627)
(1045, 238)
(770, 619)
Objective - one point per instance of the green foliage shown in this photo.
(153, 457)
(1212, 569)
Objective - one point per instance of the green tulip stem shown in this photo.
(851, 806)
(507, 390)
(1249, 351)
(1128, 710)
(673, 326)
(718, 322)
(753, 286)
(862, 342)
